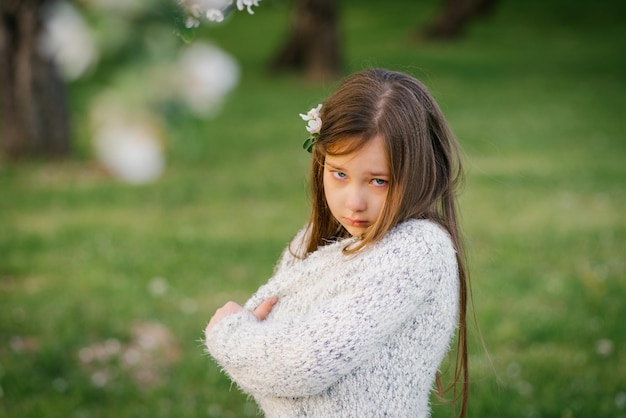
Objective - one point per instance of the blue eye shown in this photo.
(379, 182)
(339, 174)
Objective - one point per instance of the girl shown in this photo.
(365, 299)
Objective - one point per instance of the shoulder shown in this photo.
(421, 253)
(415, 245)
(418, 233)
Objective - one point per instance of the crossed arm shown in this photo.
(230, 308)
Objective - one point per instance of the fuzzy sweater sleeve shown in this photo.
(303, 355)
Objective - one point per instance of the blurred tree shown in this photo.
(455, 16)
(34, 119)
(313, 45)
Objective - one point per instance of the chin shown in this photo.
(357, 233)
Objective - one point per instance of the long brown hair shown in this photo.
(424, 163)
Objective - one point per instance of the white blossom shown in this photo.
(314, 126)
(68, 41)
(191, 22)
(248, 4)
(204, 76)
(214, 10)
(127, 143)
(313, 119)
(215, 15)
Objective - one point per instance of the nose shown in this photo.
(356, 200)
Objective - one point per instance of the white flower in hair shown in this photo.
(314, 126)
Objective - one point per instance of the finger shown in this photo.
(265, 308)
(229, 308)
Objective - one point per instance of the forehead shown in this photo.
(346, 145)
(370, 156)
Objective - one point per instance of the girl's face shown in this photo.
(356, 184)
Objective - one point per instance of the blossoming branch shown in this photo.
(213, 10)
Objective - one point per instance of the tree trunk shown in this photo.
(33, 110)
(456, 15)
(313, 46)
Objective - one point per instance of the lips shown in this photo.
(358, 223)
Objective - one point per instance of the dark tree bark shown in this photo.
(313, 45)
(455, 17)
(34, 119)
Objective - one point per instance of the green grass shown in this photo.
(536, 95)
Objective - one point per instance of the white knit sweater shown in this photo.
(351, 336)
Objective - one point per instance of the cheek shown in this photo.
(380, 202)
(327, 191)
(330, 192)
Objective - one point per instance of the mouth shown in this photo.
(358, 223)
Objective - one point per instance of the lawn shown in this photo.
(105, 287)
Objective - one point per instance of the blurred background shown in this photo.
(152, 169)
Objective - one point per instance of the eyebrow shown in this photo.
(370, 173)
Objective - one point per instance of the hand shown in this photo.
(230, 308)
(263, 310)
